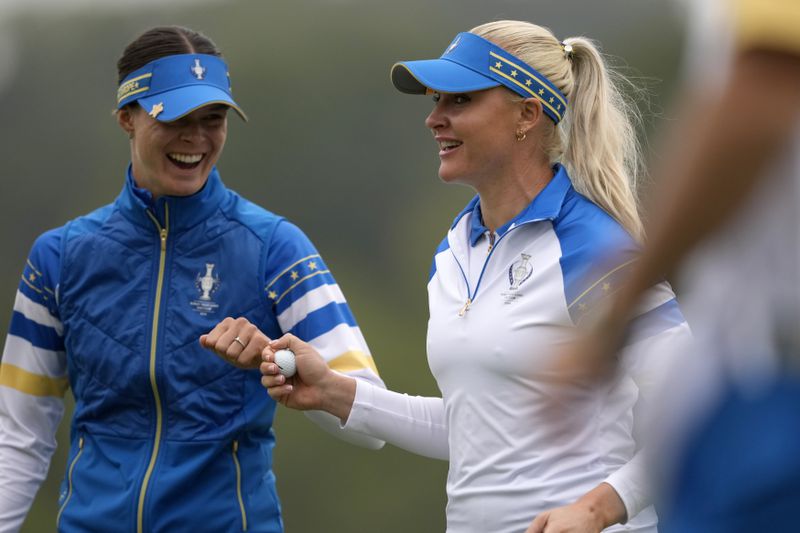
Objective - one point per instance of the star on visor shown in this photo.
(156, 110)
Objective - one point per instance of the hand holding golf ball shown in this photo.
(297, 376)
(294, 373)
(285, 361)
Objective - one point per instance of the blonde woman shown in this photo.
(537, 128)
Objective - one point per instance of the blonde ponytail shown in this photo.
(597, 140)
(602, 151)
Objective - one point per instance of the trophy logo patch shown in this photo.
(206, 284)
(518, 273)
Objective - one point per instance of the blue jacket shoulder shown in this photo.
(90, 222)
(260, 221)
(595, 250)
(42, 270)
(586, 229)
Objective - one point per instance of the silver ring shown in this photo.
(237, 339)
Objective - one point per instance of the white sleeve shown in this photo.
(414, 423)
(631, 483)
(345, 350)
(332, 424)
(309, 304)
(32, 385)
(657, 333)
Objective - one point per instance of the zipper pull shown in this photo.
(465, 308)
(163, 239)
(491, 243)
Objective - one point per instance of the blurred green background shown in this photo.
(330, 144)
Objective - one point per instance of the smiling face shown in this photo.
(475, 134)
(174, 158)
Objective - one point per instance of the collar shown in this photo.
(184, 211)
(545, 206)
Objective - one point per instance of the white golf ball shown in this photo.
(285, 361)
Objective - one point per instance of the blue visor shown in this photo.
(174, 86)
(471, 63)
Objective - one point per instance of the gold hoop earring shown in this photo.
(521, 135)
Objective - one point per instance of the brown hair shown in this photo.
(160, 42)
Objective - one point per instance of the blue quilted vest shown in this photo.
(166, 436)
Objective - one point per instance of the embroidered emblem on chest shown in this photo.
(206, 284)
(518, 273)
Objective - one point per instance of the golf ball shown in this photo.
(285, 361)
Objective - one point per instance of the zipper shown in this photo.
(493, 243)
(162, 232)
(465, 308)
(234, 453)
(69, 480)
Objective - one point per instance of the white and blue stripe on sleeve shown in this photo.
(310, 305)
(34, 360)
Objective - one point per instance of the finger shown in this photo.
(277, 392)
(269, 369)
(271, 381)
(212, 337)
(203, 339)
(538, 524)
(235, 339)
(259, 341)
(284, 342)
(231, 346)
(267, 355)
(250, 355)
(280, 394)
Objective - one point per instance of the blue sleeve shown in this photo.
(597, 256)
(40, 276)
(35, 317)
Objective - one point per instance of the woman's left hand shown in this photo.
(593, 512)
(237, 341)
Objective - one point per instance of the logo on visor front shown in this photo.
(453, 45)
(198, 70)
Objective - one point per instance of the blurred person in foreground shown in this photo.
(727, 426)
(164, 437)
(537, 128)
